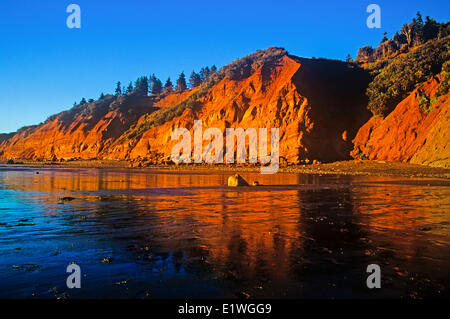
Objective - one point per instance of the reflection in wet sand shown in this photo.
(185, 234)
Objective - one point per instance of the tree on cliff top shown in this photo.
(195, 79)
(156, 85)
(399, 78)
(118, 90)
(181, 83)
(141, 86)
(168, 87)
(130, 88)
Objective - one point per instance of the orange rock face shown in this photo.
(409, 134)
(302, 97)
(82, 132)
(317, 104)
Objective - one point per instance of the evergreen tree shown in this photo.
(181, 83)
(348, 59)
(130, 87)
(83, 101)
(195, 79)
(213, 69)
(102, 96)
(118, 89)
(430, 29)
(417, 27)
(156, 85)
(90, 100)
(168, 87)
(204, 73)
(141, 86)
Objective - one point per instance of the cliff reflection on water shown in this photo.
(158, 234)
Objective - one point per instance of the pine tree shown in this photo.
(156, 85)
(83, 101)
(195, 80)
(102, 96)
(141, 86)
(181, 83)
(90, 100)
(168, 87)
(348, 59)
(130, 87)
(213, 69)
(118, 89)
(205, 73)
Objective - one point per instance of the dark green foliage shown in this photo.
(430, 29)
(425, 103)
(102, 96)
(141, 86)
(444, 86)
(204, 74)
(156, 85)
(195, 80)
(130, 88)
(410, 36)
(181, 83)
(168, 87)
(400, 77)
(118, 90)
(90, 100)
(83, 101)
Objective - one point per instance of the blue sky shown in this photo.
(45, 66)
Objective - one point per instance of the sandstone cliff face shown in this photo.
(409, 133)
(317, 104)
(82, 132)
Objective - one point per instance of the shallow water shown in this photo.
(157, 234)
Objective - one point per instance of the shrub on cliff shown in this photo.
(400, 77)
(444, 86)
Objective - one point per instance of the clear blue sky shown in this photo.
(45, 66)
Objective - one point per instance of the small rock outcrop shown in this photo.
(236, 180)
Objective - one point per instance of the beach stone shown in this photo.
(236, 180)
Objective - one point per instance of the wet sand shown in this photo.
(353, 167)
(155, 233)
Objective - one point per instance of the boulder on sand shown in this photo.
(236, 180)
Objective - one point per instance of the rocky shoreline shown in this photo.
(351, 167)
